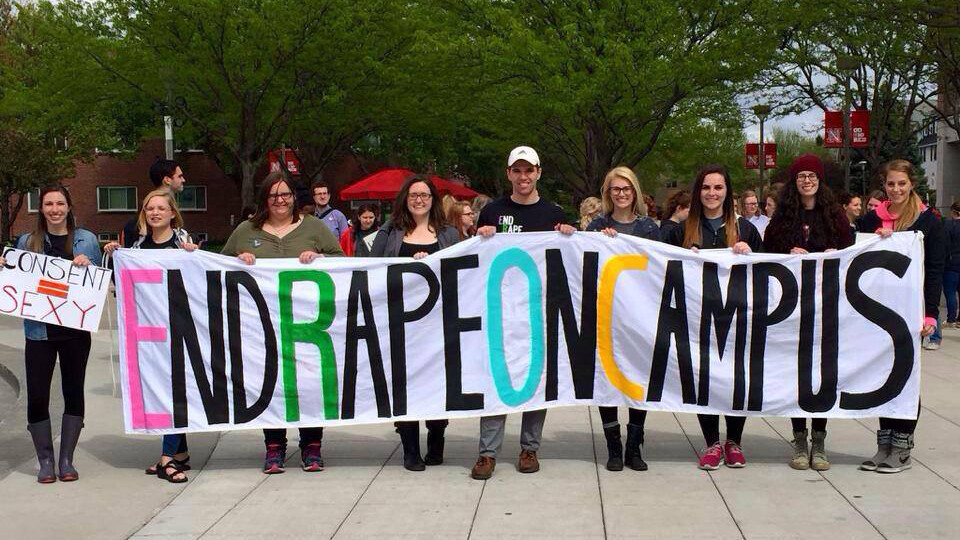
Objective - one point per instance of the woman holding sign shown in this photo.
(418, 228)
(624, 211)
(808, 220)
(277, 230)
(56, 235)
(713, 224)
(160, 226)
(904, 211)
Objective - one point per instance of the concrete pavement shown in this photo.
(365, 492)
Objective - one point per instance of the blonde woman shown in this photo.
(904, 211)
(160, 226)
(590, 208)
(623, 211)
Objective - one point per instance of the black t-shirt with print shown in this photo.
(509, 216)
(170, 243)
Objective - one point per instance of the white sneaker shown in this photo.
(932, 345)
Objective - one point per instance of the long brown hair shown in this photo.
(912, 208)
(403, 219)
(263, 201)
(691, 230)
(39, 234)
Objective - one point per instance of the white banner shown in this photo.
(52, 290)
(518, 322)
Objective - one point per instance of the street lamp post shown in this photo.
(762, 111)
(846, 64)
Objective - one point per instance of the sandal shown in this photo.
(183, 465)
(164, 473)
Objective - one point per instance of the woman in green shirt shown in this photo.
(275, 231)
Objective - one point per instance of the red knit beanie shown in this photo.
(806, 162)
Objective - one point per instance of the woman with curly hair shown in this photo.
(808, 220)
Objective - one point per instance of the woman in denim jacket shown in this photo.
(56, 235)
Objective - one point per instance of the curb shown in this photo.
(10, 378)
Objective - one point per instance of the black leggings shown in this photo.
(431, 424)
(608, 415)
(40, 360)
(308, 435)
(816, 424)
(710, 426)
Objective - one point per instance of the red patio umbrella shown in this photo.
(385, 184)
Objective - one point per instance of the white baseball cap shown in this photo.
(525, 153)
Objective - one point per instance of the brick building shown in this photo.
(107, 192)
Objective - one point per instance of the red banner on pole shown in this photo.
(860, 129)
(286, 156)
(770, 155)
(752, 156)
(832, 129)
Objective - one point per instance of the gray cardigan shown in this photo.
(389, 239)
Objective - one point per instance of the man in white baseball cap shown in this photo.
(521, 211)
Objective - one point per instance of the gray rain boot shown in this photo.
(69, 435)
(801, 454)
(884, 447)
(43, 443)
(818, 451)
(899, 458)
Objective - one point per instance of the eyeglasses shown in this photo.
(421, 196)
(811, 176)
(280, 196)
(626, 190)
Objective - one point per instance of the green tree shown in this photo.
(246, 76)
(593, 85)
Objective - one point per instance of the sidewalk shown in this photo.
(366, 493)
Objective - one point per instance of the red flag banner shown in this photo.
(832, 129)
(860, 129)
(752, 156)
(770, 155)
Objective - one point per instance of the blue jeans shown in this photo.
(936, 336)
(174, 444)
(951, 281)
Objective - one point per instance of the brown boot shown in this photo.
(528, 462)
(483, 468)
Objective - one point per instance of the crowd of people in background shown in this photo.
(802, 215)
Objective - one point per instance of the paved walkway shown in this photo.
(366, 493)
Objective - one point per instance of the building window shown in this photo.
(116, 199)
(199, 237)
(192, 198)
(33, 201)
(109, 237)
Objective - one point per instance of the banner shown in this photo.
(860, 128)
(52, 290)
(833, 129)
(752, 155)
(517, 322)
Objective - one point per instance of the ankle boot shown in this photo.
(43, 443)
(801, 454)
(818, 451)
(435, 445)
(614, 448)
(410, 439)
(631, 456)
(899, 458)
(69, 435)
(884, 447)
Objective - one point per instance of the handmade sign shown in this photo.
(518, 322)
(52, 290)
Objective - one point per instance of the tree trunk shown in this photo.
(248, 169)
(5, 221)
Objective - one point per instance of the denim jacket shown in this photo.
(84, 242)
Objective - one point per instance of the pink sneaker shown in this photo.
(733, 455)
(712, 458)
